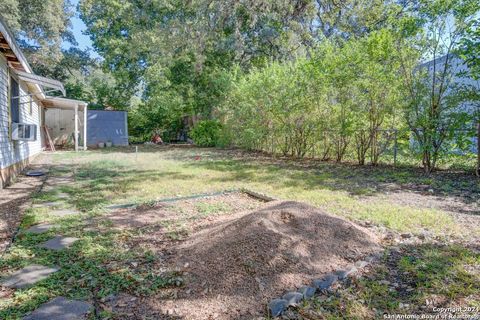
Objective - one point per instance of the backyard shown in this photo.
(146, 242)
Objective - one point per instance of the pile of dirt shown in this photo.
(235, 266)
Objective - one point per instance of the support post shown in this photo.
(478, 149)
(85, 111)
(75, 132)
(395, 148)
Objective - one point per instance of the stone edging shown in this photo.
(277, 307)
(257, 195)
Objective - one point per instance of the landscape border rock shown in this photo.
(251, 193)
(276, 307)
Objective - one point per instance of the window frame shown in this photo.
(10, 86)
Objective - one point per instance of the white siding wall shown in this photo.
(61, 125)
(12, 152)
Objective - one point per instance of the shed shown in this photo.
(107, 125)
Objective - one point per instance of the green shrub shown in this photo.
(207, 133)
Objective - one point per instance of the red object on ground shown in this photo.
(157, 139)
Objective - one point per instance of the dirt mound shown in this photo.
(237, 265)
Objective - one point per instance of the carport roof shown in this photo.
(63, 103)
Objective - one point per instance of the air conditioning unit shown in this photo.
(23, 131)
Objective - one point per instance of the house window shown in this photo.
(14, 101)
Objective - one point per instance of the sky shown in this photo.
(78, 29)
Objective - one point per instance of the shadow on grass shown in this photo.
(95, 179)
(240, 168)
(356, 180)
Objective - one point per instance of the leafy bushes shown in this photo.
(359, 101)
(207, 133)
(330, 105)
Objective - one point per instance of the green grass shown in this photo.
(100, 263)
(94, 267)
(208, 209)
(121, 176)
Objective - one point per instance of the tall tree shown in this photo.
(470, 52)
(434, 114)
(40, 27)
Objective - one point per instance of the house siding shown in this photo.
(14, 155)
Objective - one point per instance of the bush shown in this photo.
(207, 133)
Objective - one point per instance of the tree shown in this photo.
(40, 27)
(182, 47)
(470, 52)
(433, 112)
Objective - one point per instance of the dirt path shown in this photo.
(13, 202)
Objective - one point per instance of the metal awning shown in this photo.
(42, 81)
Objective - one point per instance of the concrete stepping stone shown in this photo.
(63, 195)
(47, 204)
(58, 243)
(61, 308)
(28, 276)
(121, 206)
(58, 182)
(60, 179)
(41, 228)
(64, 212)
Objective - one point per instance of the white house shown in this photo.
(23, 102)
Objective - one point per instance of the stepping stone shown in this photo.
(121, 206)
(28, 276)
(48, 188)
(63, 196)
(64, 212)
(61, 308)
(40, 228)
(47, 204)
(60, 183)
(58, 243)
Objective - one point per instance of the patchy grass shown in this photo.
(414, 280)
(120, 176)
(94, 267)
(101, 264)
(208, 209)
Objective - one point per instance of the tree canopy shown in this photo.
(340, 79)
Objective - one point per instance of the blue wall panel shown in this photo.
(103, 126)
